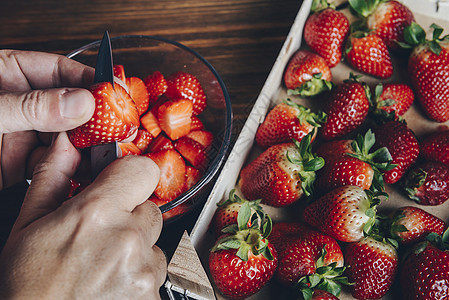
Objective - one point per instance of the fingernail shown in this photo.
(76, 103)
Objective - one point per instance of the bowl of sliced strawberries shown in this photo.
(169, 104)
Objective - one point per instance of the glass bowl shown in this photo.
(141, 56)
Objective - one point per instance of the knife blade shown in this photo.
(102, 155)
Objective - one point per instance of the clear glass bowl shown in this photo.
(142, 55)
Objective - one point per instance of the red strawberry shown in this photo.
(402, 145)
(243, 261)
(347, 108)
(428, 183)
(156, 86)
(307, 74)
(115, 118)
(425, 272)
(386, 18)
(138, 93)
(172, 170)
(150, 123)
(435, 147)
(323, 295)
(143, 140)
(193, 152)
(371, 265)
(192, 177)
(345, 213)
(412, 224)
(119, 72)
(196, 124)
(351, 162)
(392, 100)
(175, 212)
(187, 86)
(325, 32)
(282, 174)
(428, 67)
(129, 149)
(369, 54)
(160, 143)
(285, 122)
(204, 137)
(174, 118)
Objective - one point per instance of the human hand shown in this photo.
(39, 94)
(98, 244)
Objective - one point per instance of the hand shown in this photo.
(98, 244)
(38, 96)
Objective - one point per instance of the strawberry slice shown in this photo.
(156, 86)
(143, 140)
(150, 123)
(196, 124)
(175, 117)
(192, 177)
(138, 93)
(119, 72)
(204, 137)
(185, 85)
(129, 149)
(160, 143)
(193, 152)
(115, 117)
(172, 169)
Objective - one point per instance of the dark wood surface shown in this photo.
(240, 38)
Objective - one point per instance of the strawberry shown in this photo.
(428, 67)
(345, 213)
(325, 32)
(184, 85)
(174, 118)
(428, 183)
(119, 72)
(156, 86)
(150, 122)
(425, 271)
(282, 174)
(372, 266)
(346, 109)
(435, 147)
(192, 177)
(368, 53)
(160, 143)
(115, 117)
(174, 212)
(287, 121)
(392, 100)
(323, 295)
(172, 174)
(138, 93)
(193, 152)
(307, 74)
(387, 19)
(351, 162)
(143, 140)
(285, 232)
(129, 149)
(412, 224)
(402, 145)
(242, 261)
(204, 137)
(196, 124)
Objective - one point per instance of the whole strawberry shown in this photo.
(307, 74)
(243, 261)
(287, 121)
(345, 213)
(115, 117)
(425, 272)
(428, 67)
(428, 183)
(412, 224)
(402, 145)
(392, 100)
(185, 85)
(435, 147)
(367, 53)
(346, 109)
(325, 32)
(387, 19)
(371, 265)
(282, 174)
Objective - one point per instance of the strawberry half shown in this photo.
(193, 152)
(175, 117)
(119, 72)
(115, 117)
(150, 122)
(192, 177)
(187, 86)
(156, 86)
(143, 140)
(138, 93)
(160, 143)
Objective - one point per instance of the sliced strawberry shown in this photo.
(172, 169)
(185, 85)
(196, 124)
(119, 72)
(192, 177)
(156, 86)
(129, 149)
(138, 93)
(150, 123)
(143, 139)
(160, 143)
(193, 152)
(204, 137)
(115, 117)
(175, 117)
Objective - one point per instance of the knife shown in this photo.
(103, 154)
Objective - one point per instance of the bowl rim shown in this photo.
(225, 145)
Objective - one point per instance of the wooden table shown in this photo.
(240, 38)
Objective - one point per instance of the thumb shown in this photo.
(51, 110)
(51, 181)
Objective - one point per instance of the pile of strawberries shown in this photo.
(330, 168)
(156, 117)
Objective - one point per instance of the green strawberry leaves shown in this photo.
(312, 87)
(415, 35)
(412, 182)
(305, 115)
